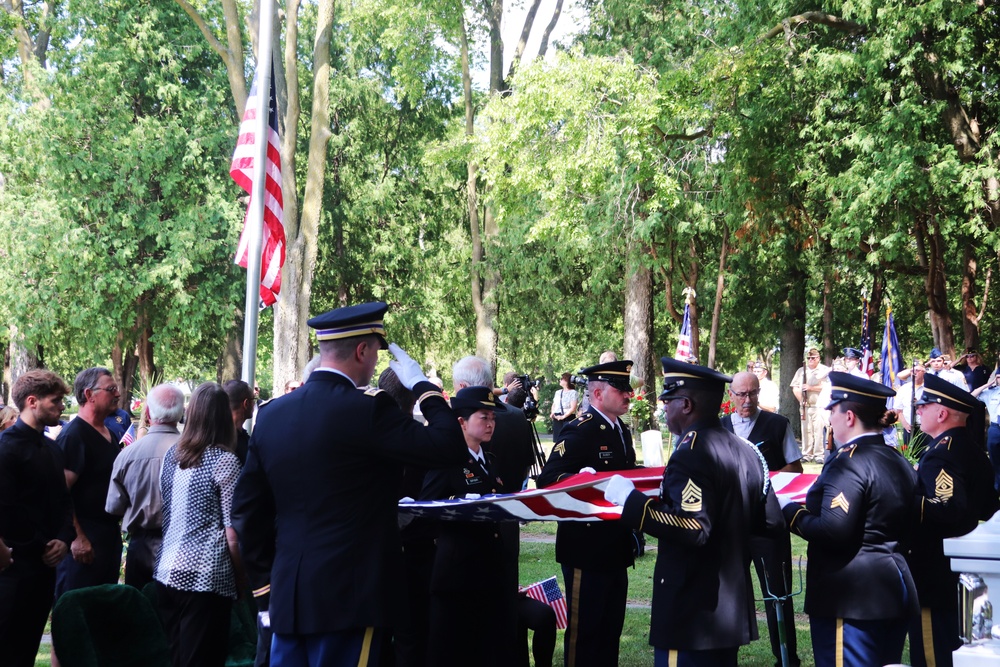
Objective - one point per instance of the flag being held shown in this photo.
(549, 593)
(242, 171)
(129, 436)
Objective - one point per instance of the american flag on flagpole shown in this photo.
(549, 593)
(683, 352)
(129, 436)
(242, 171)
(867, 363)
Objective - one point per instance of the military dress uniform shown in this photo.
(714, 495)
(470, 614)
(859, 592)
(954, 492)
(594, 555)
(315, 507)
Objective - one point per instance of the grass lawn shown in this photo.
(538, 562)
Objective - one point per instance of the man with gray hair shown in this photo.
(89, 452)
(134, 492)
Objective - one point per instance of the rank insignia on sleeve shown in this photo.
(944, 486)
(841, 502)
(691, 497)
(561, 448)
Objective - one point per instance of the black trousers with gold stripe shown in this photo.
(595, 600)
(845, 642)
(933, 637)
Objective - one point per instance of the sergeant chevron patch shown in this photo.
(561, 448)
(841, 502)
(691, 497)
(944, 486)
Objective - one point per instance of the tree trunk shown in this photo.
(22, 359)
(291, 337)
(123, 365)
(522, 43)
(828, 351)
(144, 353)
(793, 337)
(970, 314)
(544, 45)
(719, 289)
(638, 344)
(936, 289)
(230, 366)
(692, 281)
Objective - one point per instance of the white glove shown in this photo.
(618, 490)
(406, 499)
(406, 369)
(784, 500)
(472, 496)
(588, 470)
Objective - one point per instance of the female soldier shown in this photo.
(472, 613)
(859, 590)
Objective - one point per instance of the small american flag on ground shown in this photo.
(548, 592)
(129, 436)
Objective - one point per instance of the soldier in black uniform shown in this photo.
(859, 594)
(715, 493)
(772, 555)
(469, 610)
(954, 492)
(595, 555)
(315, 507)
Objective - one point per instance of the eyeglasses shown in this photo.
(812, 358)
(110, 389)
(745, 394)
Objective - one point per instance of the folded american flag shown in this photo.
(548, 592)
(579, 498)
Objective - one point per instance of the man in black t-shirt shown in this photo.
(89, 452)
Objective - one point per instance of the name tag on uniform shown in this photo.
(606, 455)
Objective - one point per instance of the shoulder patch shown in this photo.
(373, 391)
(944, 486)
(691, 497)
(840, 501)
(688, 439)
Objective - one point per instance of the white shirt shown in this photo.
(789, 447)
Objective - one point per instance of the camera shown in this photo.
(530, 406)
(579, 379)
(527, 383)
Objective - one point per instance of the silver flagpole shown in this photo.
(256, 217)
